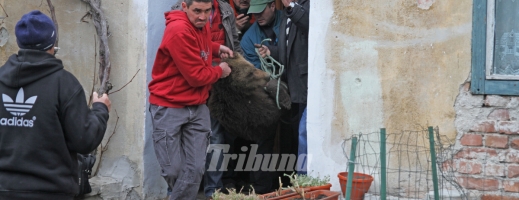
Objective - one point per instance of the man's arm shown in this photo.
(84, 128)
(235, 36)
(299, 14)
(249, 51)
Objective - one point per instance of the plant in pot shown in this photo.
(314, 195)
(300, 184)
(281, 193)
(304, 193)
(234, 195)
(310, 183)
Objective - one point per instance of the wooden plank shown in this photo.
(502, 87)
(479, 29)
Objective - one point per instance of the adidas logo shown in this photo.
(18, 108)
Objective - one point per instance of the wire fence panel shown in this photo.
(408, 165)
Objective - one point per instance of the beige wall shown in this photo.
(383, 64)
(128, 27)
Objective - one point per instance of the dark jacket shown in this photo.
(229, 24)
(295, 55)
(44, 123)
(254, 35)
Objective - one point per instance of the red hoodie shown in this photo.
(182, 74)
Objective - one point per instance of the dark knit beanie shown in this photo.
(35, 31)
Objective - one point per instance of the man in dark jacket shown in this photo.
(292, 52)
(44, 118)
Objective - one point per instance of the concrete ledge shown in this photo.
(104, 186)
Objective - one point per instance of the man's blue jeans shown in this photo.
(302, 147)
(213, 178)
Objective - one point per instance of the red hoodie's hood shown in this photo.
(176, 15)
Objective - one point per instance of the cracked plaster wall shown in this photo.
(123, 161)
(383, 64)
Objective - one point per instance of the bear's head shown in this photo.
(244, 75)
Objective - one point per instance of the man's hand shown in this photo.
(225, 52)
(103, 99)
(263, 50)
(226, 70)
(286, 3)
(241, 21)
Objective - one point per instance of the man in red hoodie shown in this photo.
(182, 76)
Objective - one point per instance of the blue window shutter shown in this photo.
(479, 83)
(479, 35)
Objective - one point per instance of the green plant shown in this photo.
(234, 195)
(307, 181)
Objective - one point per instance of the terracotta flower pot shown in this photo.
(360, 184)
(321, 187)
(288, 193)
(281, 195)
(317, 194)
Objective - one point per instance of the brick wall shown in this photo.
(487, 163)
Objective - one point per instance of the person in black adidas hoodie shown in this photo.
(44, 118)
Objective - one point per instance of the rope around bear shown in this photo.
(268, 64)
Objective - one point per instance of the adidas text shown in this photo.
(18, 122)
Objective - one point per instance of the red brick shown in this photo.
(479, 184)
(511, 186)
(512, 157)
(514, 143)
(496, 141)
(499, 114)
(485, 127)
(496, 101)
(494, 170)
(513, 171)
(448, 165)
(508, 127)
(475, 153)
(497, 197)
(472, 140)
(469, 167)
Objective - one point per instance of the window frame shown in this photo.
(480, 84)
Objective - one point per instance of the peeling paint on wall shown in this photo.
(4, 36)
(425, 4)
(387, 65)
(128, 44)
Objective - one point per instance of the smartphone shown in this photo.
(244, 12)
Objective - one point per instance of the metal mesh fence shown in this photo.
(409, 172)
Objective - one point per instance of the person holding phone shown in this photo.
(243, 20)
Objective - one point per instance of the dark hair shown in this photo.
(190, 2)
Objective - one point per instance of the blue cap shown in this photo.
(35, 31)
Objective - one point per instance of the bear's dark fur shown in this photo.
(245, 102)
